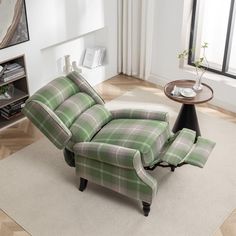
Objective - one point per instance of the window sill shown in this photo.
(211, 76)
(224, 87)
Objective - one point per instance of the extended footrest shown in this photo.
(200, 152)
(181, 149)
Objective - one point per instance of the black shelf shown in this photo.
(20, 90)
(18, 94)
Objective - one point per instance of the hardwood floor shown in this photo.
(17, 137)
(228, 228)
(8, 227)
(24, 133)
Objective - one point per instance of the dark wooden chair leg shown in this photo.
(83, 184)
(146, 208)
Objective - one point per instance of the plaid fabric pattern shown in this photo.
(200, 153)
(43, 118)
(139, 114)
(132, 181)
(84, 86)
(147, 136)
(89, 123)
(178, 147)
(56, 92)
(107, 153)
(72, 107)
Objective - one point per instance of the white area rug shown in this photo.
(39, 191)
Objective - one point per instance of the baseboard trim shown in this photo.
(224, 106)
(157, 79)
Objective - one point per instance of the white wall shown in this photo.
(61, 27)
(108, 37)
(67, 19)
(170, 37)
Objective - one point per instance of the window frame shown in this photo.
(228, 42)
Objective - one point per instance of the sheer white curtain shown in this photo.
(135, 25)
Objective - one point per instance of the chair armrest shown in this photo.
(140, 114)
(107, 153)
(121, 157)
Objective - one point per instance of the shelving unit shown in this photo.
(20, 94)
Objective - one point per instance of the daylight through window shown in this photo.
(213, 21)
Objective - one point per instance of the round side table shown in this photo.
(187, 117)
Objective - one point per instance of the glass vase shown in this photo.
(198, 84)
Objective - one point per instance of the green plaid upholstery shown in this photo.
(107, 153)
(89, 123)
(178, 147)
(117, 168)
(55, 92)
(66, 111)
(111, 148)
(40, 109)
(147, 136)
(72, 107)
(139, 114)
(84, 86)
(199, 154)
(46, 120)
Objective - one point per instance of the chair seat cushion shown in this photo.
(147, 136)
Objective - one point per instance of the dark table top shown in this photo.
(202, 96)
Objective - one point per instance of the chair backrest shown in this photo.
(67, 110)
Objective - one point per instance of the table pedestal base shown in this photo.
(187, 118)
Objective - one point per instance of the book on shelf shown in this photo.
(12, 109)
(13, 66)
(20, 101)
(13, 76)
(3, 69)
(15, 105)
(11, 112)
(12, 71)
(9, 117)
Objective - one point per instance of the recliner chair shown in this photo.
(111, 148)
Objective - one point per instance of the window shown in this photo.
(213, 21)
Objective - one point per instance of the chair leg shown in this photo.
(146, 208)
(83, 184)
